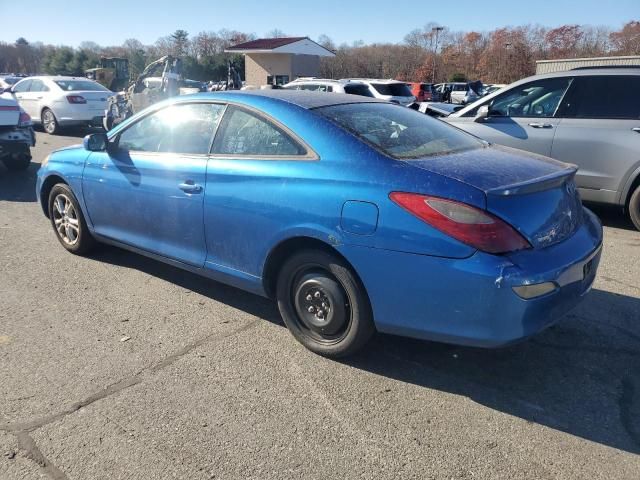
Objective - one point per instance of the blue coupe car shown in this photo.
(356, 215)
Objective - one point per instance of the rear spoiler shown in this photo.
(545, 182)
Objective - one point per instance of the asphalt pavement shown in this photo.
(114, 366)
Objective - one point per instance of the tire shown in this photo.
(68, 221)
(634, 207)
(323, 304)
(18, 161)
(50, 122)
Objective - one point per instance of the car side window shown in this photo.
(245, 133)
(534, 99)
(38, 86)
(600, 97)
(22, 86)
(183, 129)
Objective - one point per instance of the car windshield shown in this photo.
(399, 132)
(394, 89)
(80, 85)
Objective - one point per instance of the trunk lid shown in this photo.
(9, 112)
(96, 100)
(534, 194)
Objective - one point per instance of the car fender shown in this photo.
(628, 179)
(71, 174)
(332, 238)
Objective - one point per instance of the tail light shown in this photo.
(465, 223)
(76, 99)
(24, 120)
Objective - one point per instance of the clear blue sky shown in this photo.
(110, 22)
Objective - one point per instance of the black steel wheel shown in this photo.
(324, 304)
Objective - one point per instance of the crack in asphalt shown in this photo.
(22, 429)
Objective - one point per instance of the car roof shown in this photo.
(301, 98)
(376, 80)
(57, 77)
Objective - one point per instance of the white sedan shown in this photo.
(56, 102)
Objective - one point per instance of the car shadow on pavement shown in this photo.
(581, 376)
(219, 292)
(612, 216)
(18, 186)
(75, 131)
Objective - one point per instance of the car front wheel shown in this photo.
(324, 304)
(634, 207)
(68, 221)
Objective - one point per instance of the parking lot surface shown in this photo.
(116, 366)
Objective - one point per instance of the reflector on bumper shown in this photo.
(535, 290)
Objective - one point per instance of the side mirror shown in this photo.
(482, 113)
(95, 142)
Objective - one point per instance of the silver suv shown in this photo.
(589, 117)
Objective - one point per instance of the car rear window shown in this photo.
(80, 85)
(394, 89)
(399, 132)
(358, 89)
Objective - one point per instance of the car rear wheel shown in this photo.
(324, 304)
(18, 161)
(634, 207)
(49, 122)
(68, 221)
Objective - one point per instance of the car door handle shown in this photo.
(636, 129)
(190, 187)
(540, 125)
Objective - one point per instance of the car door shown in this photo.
(34, 98)
(522, 117)
(599, 131)
(21, 91)
(148, 190)
(251, 174)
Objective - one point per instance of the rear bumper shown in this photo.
(14, 140)
(471, 301)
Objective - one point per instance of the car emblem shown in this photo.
(571, 188)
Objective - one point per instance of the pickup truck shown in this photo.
(16, 134)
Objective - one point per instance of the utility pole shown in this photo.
(437, 30)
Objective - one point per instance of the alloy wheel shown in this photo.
(65, 219)
(48, 121)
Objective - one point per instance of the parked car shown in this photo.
(422, 91)
(459, 92)
(577, 116)
(16, 134)
(6, 81)
(330, 86)
(56, 102)
(389, 90)
(356, 215)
